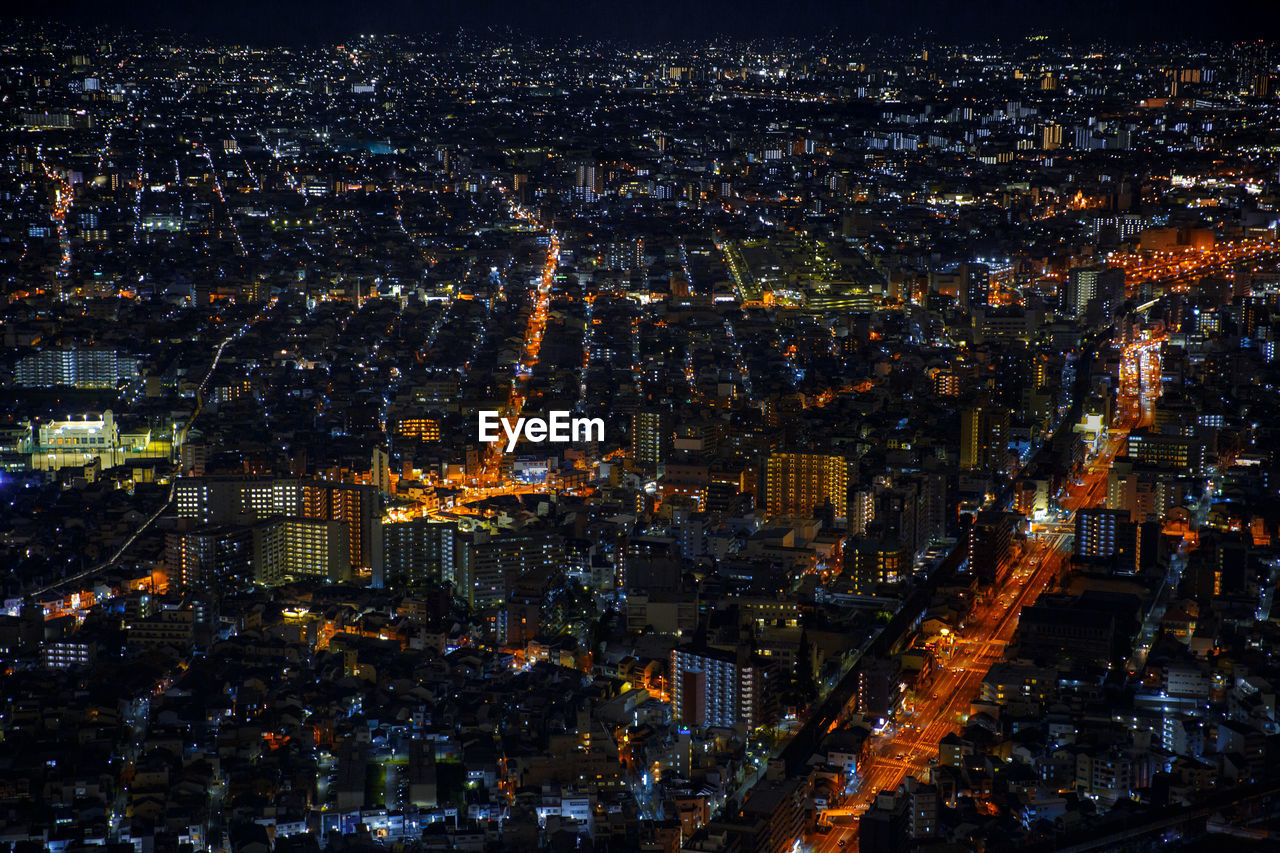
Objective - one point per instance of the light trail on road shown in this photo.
(909, 749)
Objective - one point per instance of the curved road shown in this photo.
(173, 486)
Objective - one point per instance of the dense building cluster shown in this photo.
(935, 506)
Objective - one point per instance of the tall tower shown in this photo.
(984, 437)
(650, 440)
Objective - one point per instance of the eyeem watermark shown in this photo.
(559, 427)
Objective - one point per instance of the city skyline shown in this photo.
(499, 437)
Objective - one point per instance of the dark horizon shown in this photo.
(299, 22)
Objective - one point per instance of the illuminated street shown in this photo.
(530, 348)
(722, 428)
(911, 746)
(1176, 270)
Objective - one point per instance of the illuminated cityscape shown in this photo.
(936, 506)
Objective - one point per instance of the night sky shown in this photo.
(297, 21)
